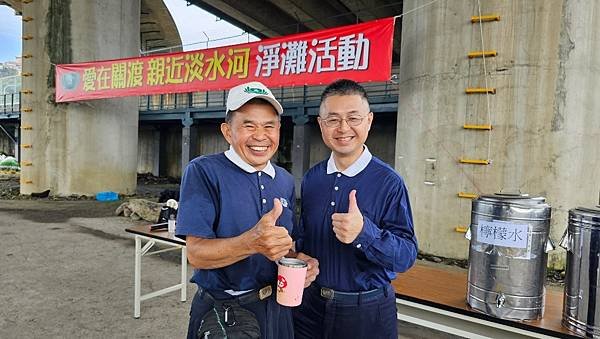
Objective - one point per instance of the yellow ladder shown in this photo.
(472, 127)
(26, 129)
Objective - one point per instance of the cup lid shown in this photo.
(292, 262)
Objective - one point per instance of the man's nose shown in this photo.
(260, 134)
(344, 125)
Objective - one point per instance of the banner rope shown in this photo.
(416, 9)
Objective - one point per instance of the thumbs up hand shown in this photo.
(347, 226)
(271, 217)
(267, 238)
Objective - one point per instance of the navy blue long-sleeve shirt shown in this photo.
(221, 200)
(386, 244)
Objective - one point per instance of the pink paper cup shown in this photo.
(291, 274)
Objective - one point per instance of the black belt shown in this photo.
(243, 299)
(351, 297)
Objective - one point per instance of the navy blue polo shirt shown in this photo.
(387, 242)
(220, 200)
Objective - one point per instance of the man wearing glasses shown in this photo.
(356, 220)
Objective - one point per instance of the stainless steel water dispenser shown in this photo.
(581, 307)
(508, 255)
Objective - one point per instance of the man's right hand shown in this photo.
(267, 238)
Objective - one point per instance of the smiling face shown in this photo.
(253, 132)
(345, 121)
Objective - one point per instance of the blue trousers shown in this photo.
(275, 321)
(318, 317)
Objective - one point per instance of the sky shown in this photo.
(196, 27)
(10, 34)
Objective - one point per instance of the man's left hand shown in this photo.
(312, 270)
(347, 226)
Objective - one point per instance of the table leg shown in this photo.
(137, 277)
(183, 273)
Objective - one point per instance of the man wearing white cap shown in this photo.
(237, 214)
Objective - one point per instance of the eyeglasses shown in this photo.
(337, 122)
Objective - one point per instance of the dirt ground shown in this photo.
(66, 271)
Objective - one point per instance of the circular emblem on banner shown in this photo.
(69, 81)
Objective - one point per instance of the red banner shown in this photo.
(361, 52)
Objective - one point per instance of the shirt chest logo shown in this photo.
(284, 202)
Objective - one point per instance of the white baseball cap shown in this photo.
(241, 94)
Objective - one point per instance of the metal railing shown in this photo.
(10, 104)
(299, 95)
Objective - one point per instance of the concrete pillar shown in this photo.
(544, 112)
(189, 135)
(210, 139)
(571, 174)
(9, 139)
(17, 135)
(148, 149)
(82, 147)
(300, 150)
(170, 150)
(156, 147)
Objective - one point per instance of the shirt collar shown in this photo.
(237, 160)
(352, 170)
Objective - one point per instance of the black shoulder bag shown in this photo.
(229, 320)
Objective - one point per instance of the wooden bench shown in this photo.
(434, 296)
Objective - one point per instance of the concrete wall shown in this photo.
(573, 169)
(6, 145)
(170, 151)
(78, 148)
(148, 149)
(318, 150)
(544, 112)
(210, 139)
(159, 147)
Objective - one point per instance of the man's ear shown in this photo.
(226, 130)
(320, 122)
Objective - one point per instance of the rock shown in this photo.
(137, 209)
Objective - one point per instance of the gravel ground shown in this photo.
(67, 272)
